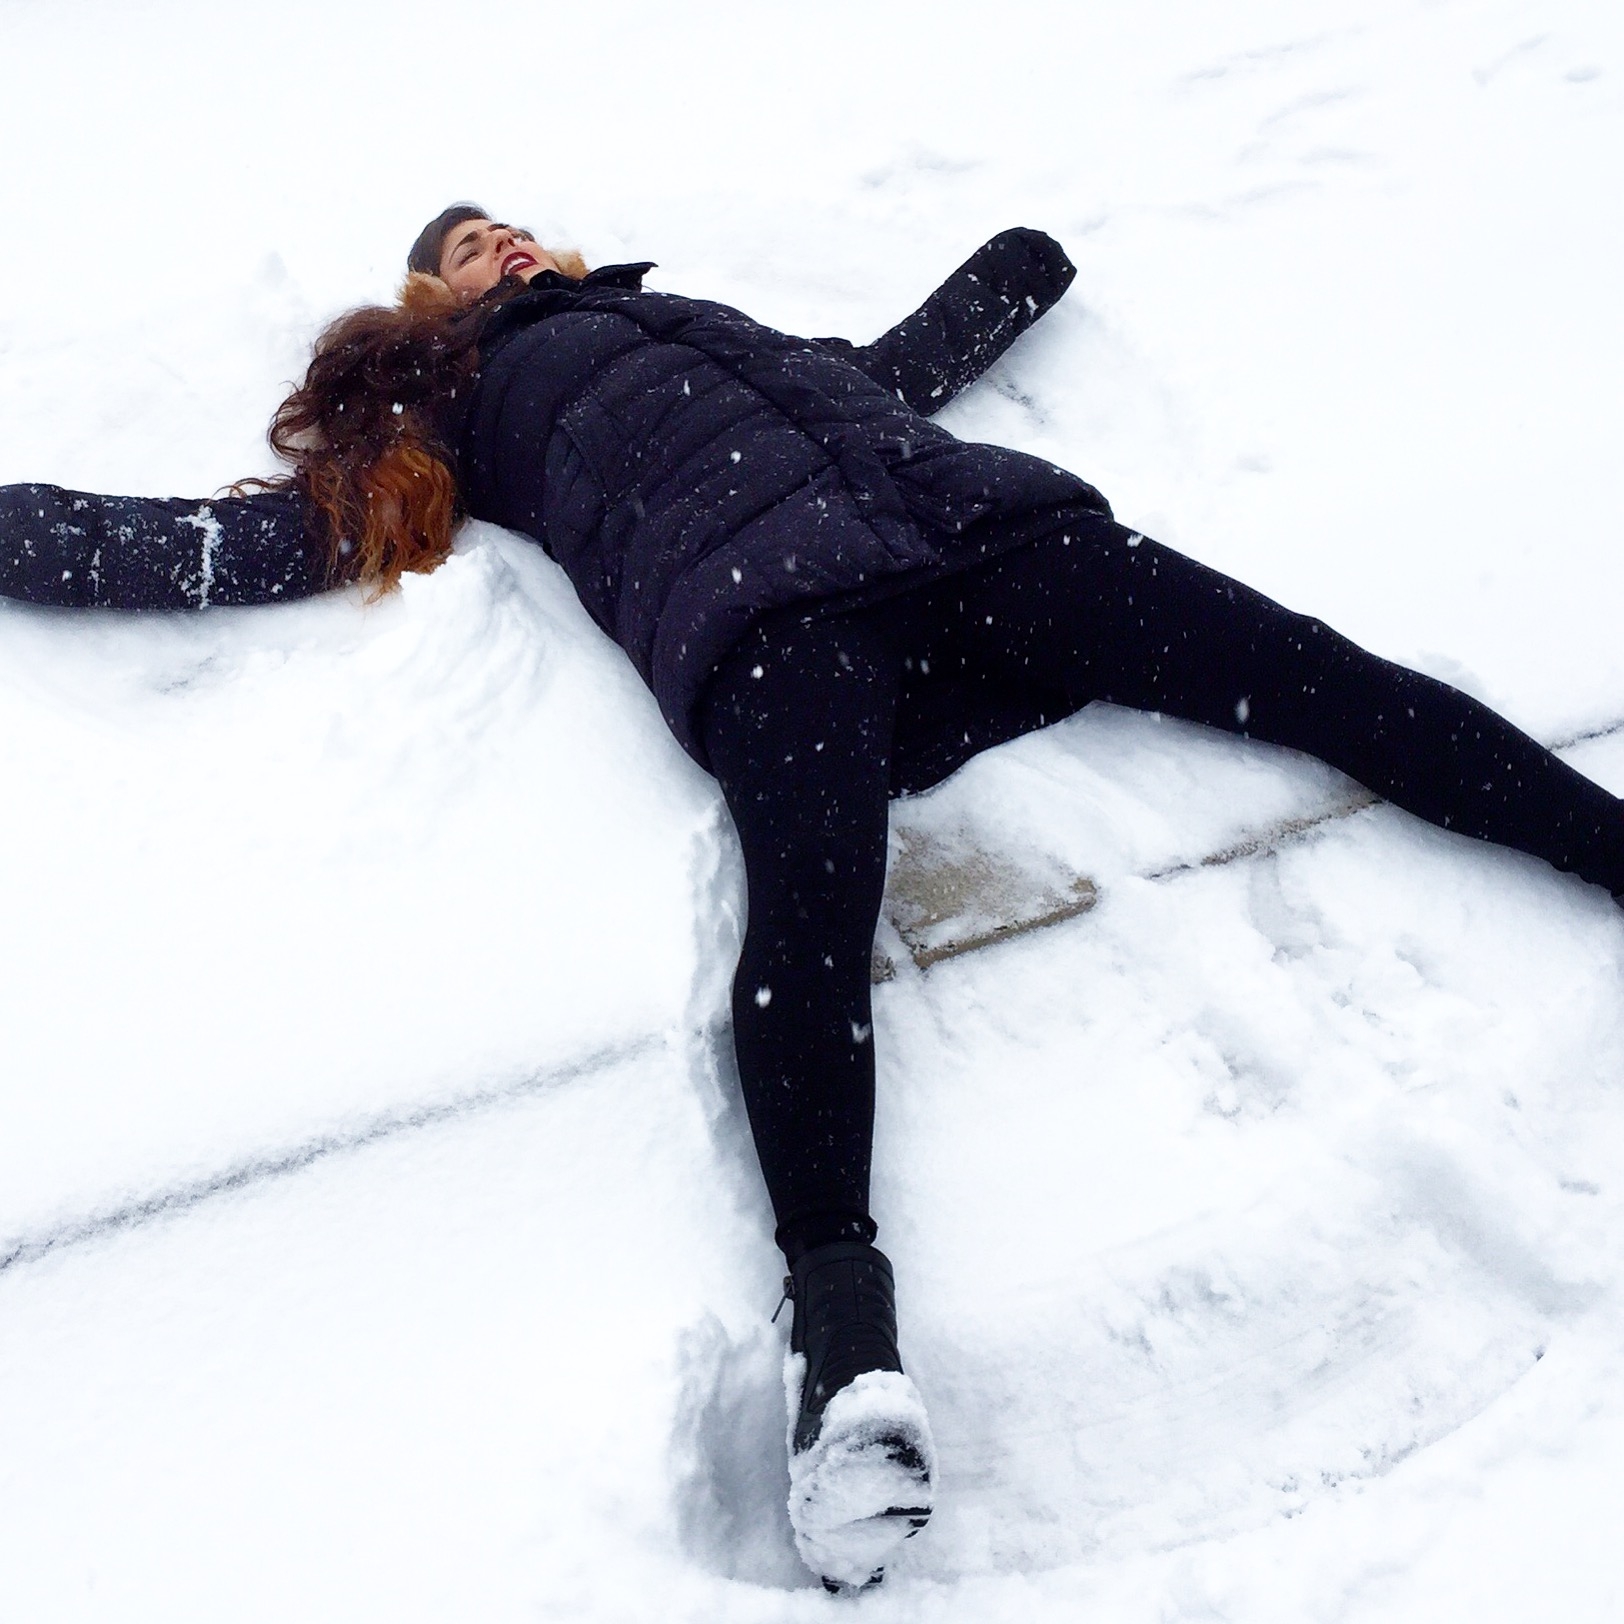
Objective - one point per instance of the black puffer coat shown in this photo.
(689, 468)
(692, 469)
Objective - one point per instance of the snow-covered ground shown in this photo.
(379, 1235)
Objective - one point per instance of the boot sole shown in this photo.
(915, 1516)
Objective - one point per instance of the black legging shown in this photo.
(802, 718)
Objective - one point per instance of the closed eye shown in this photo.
(466, 249)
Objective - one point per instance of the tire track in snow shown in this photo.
(246, 1174)
(253, 1171)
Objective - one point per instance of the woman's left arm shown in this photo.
(968, 322)
(73, 550)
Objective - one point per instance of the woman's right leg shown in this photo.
(1095, 611)
(798, 725)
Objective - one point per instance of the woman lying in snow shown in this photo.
(834, 601)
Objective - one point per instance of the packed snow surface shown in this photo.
(379, 1232)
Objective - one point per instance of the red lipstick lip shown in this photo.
(516, 261)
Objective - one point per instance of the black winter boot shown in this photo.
(845, 1299)
(862, 1462)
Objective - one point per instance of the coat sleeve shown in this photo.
(968, 322)
(74, 550)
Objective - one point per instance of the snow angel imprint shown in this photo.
(833, 601)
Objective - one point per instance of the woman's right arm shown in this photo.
(73, 550)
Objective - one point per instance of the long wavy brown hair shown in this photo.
(364, 432)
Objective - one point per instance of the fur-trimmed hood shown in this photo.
(425, 295)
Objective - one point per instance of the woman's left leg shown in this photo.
(1095, 611)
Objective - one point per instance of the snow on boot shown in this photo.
(861, 1462)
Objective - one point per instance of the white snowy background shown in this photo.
(379, 1234)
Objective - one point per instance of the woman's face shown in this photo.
(479, 253)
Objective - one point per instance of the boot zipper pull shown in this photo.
(788, 1297)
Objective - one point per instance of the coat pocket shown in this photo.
(602, 444)
(576, 503)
